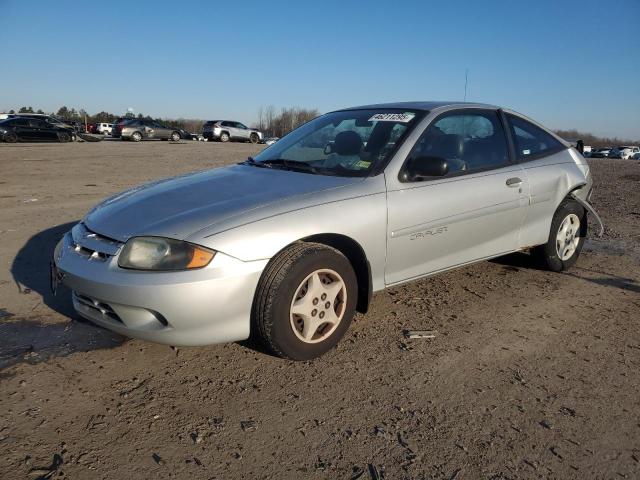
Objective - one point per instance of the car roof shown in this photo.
(422, 105)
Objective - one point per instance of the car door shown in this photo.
(148, 128)
(242, 131)
(40, 130)
(474, 211)
(232, 129)
(162, 131)
(228, 126)
(23, 130)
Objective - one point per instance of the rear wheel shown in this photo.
(11, 137)
(175, 137)
(254, 138)
(305, 301)
(136, 136)
(566, 238)
(224, 137)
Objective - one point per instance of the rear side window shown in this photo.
(531, 141)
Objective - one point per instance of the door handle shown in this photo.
(514, 182)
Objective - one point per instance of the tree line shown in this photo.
(82, 116)
(271, 122)
(274, 123)
(594, 140)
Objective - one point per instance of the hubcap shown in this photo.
(568, 237)
(318, 306)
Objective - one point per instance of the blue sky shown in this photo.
(568, 64)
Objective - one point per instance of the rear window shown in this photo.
(211, 122)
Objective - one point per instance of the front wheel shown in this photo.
(254, 138)
(136, 136)
(175, 137)
(566, 238)
(64, 137)
(305, 301)
(11, 137)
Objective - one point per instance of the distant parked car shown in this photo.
(55, 121)
(144, 129)
(601, 152)
(104, 128)
(24, 129)
(636, 156)
(226, 130)
(624, 152)
(271, 140)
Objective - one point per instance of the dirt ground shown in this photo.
(531, 375)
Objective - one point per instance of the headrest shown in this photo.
(347, 143)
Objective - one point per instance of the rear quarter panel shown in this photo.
(550, 180)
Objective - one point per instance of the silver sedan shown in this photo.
(288, 245)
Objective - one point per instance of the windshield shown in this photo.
(346, 143)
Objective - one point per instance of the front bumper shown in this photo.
(199, 307)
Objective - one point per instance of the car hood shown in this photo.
(180, 206)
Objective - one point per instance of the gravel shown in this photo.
(532, 374)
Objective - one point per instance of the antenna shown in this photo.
(466, 77)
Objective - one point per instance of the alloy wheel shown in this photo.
(318, 306)
(568, 237)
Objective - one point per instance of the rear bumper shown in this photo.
(201, 307)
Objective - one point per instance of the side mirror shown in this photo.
(426, 167)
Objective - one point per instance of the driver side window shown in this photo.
(461, 142)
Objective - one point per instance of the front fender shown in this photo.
(362, 219)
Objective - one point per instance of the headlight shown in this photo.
(155, 253)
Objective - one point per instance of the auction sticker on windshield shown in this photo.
(393, 117)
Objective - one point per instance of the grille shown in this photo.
(93, 246)
(101, 307)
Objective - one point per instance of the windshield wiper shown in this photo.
(293, 165)
(251, 162)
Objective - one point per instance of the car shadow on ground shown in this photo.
(29, 338)
(517, 260)
(606, 279)
(525, 260)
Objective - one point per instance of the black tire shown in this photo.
(253, 138)
(224, 137)
(136, 136)
(271, 321)
(64, 137)
(11, 137)
(175, 137)
(547, 255)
